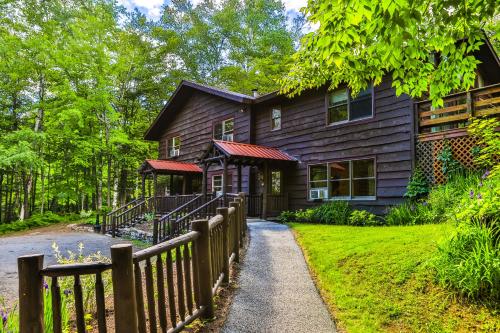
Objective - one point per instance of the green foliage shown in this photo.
(449, 165)
(470, 261)
(360, 42)
(363, 218)
(333, 212)
(39, 220)
(488, 151)
(418, 186)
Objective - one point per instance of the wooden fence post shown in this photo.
(225, 243)
(204, 267)
(244, 212)
(156, 226)
(237, 232)
(125, 302)
(103, 224)
(113, 226)
(30, 293)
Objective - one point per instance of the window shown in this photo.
(275, 182)
(224, 130)
(174, 146)
(275, 119)
(318, 182)
(343, 180)
(342, 107)
(217, 184)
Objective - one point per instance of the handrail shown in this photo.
(165, 246)
(461, 93)
(75, 269)
(200, 208)
(180, 208)
(134, 207)
(123, 207)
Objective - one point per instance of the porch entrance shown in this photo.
(267, 193)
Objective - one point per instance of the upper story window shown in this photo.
(174, 146)
(224, 130)
(343, 180)
(342, 107)
(275, 118)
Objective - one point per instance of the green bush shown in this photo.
(333, 212)
(363, 217)
(418, 186)
(470, 262)
(39, 220)
(287, 216)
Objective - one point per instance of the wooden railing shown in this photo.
(458, 109)
(162, 288)
(162, 227)
(166, 204)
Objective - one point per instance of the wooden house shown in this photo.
(291, 153)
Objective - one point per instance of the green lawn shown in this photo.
(378, 279)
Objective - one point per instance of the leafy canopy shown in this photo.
(360, 41)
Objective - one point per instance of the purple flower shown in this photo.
(481, 184)
(471, 194)
(486, 174)
(4, 316)
(479, 196)
(67, 292)
(45, 285)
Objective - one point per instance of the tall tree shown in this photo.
(358, 42)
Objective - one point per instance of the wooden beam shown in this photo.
(204, 182)
(224, 176)
(239, 178)
(264, 190)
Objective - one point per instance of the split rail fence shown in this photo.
(159, 289)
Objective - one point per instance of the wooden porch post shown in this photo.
(239, 178)
(143, 185)
(264, 190)
(224, 177)
(204, 180)
(184, 183)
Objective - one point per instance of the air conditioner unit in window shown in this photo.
(227, 137)
(174, 152)
(318, 193)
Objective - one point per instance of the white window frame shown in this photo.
(172, 149)
(213, 184)
(351, 178)
(273, 109)
(349, 101)
(225, 135)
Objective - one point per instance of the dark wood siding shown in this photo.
(305, 135)
(194, 124)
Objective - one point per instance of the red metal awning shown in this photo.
(172, 166)
(252, 151)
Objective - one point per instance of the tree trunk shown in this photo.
(42, 190)
(108, 196)
(1, 189)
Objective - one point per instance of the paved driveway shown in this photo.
(41, 242)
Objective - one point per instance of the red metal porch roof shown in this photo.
(253, 151)
(166, 165)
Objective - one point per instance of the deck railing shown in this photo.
(458, 109)
(162, 288)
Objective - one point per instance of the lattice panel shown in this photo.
(425, 158)
(428, 151)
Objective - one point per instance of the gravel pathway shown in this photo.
(41, 242)
(275, 291)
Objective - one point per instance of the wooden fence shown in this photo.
(159, 289)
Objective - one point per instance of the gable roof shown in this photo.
(184, 90)
(169, 166)
(239, 149)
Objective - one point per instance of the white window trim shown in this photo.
(349, 120)
(221, 181)
(170, 145)
(272, 118)
(341, 198)
(224, 134)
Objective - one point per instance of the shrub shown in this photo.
(363, 217)
(333, 212)
(305, 215)
(418, 186)
(488, 140)
(449, 165)
(470, 262)
(287, 217)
